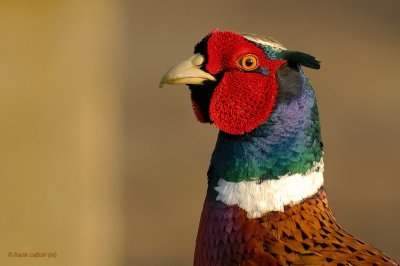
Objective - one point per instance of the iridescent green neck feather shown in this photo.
(289, 142)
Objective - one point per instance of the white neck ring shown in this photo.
(258, 198)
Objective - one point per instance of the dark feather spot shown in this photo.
(339, 239)
(304, 235)
(288, 250)
(361, 242)
(351, 249)
(305, 246)
(323, 235)
(326, 231)
(298, 226)
(336, 245)
(274, 254)
(323, 245)
(370, 252)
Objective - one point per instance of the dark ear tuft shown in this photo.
(299, 58)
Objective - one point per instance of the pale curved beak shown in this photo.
(187, 72)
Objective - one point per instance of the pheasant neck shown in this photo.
(276, 164)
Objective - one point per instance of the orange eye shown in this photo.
(248, 62)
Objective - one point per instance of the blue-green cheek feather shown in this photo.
(289, 142)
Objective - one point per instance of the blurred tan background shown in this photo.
(101, 166)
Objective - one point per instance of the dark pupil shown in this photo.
(249, 62)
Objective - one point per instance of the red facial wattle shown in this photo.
(242, 100)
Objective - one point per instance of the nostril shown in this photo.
(197, 59)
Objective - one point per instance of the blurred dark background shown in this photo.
(100, 165)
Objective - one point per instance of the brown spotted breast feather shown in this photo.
(304, 234)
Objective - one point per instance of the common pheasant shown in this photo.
(265, 203)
